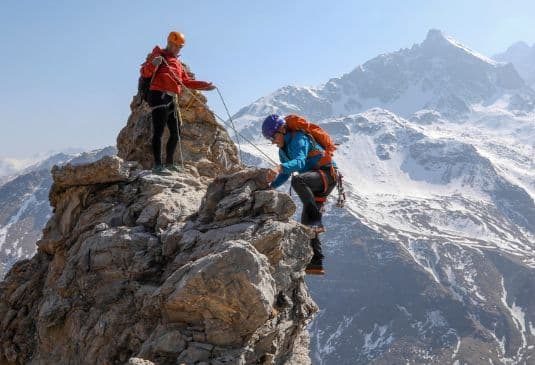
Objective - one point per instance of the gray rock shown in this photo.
(109, 169)
(211, 290)
(159, 268)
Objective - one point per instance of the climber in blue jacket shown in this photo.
(300, 156)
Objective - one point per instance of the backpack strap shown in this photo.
(316, 150)
(323, 180)
(325, 158)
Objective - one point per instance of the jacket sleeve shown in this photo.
(298, 151)
(191, 83)
(279, 180)
(282, 177)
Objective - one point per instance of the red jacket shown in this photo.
(168, 73)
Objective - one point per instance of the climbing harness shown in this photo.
(162, 106)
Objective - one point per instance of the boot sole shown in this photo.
(315, 271)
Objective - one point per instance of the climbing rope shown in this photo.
(238, 134)
(178, 117)
(231, 121)
(339, 178)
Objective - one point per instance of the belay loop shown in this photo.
(341, 193)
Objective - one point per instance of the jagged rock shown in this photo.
(145, 269)
(195, 353)
(203, 140)
(109, 169)
(237, 303)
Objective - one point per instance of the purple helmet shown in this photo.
(271, 125)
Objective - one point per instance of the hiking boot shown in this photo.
(315, 266)
(315, 269)
(173, 167)
(161, 170)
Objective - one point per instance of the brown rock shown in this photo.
(145, 269)
(204, 142)
(109, 169)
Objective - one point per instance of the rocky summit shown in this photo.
(204, 266)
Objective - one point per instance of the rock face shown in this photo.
(203, 140)
(140, 268)
(26, 209)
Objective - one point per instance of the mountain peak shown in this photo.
(437, 41)
(434, 35)
(519, 45)
(517, 50)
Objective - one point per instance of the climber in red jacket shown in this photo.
(168, 76)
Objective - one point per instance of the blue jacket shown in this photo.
(294, 156)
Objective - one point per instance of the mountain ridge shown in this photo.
(440, 205)
(405, 82)
(522, 56)
(25, 205)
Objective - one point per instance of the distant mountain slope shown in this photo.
(432, 260)
(439, 74)
(25, 206)
(522, 57)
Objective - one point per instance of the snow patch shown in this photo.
(30, 199)
(518, 316)
(461, 46)
(377, 340)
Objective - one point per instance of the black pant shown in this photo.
(160, 117)
(309, 186)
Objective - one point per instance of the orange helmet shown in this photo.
(176, 38)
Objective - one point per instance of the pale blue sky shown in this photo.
(69, 68)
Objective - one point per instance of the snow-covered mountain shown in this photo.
(439, 74)
(11, 166)
(433, 259)
(25, 207)
(522, 56)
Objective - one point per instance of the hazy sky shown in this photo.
(70, 68)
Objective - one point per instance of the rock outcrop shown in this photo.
(205, 143)
(146, 269)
